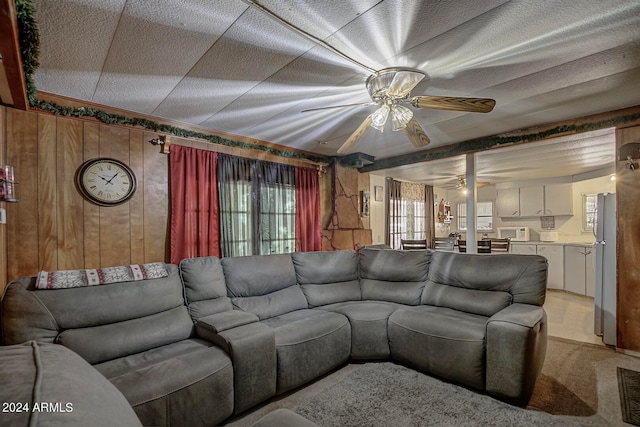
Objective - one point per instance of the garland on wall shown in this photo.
(30, 49)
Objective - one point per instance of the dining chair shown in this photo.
(484, 246)
(500, 245)
(408, 244)
(443, 243)
(462, 246)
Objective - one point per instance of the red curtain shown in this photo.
(308, 232)
(195, 226)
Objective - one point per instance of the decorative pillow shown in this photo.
(100, 276)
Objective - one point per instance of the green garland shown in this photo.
(30, 49)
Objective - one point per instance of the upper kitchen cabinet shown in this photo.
(558, 199)
(532, 201)
(508, 202)
(539, 200)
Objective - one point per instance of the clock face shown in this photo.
(106, 181)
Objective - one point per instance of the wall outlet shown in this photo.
(3, 216)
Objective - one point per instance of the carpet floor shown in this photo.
(578, 386)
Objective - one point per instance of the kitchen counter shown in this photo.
(538, 242)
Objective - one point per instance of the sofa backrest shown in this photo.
(485, 284)
(204, 286)
(101, 322)
(264, 285)
(327, 277)
(395, 276)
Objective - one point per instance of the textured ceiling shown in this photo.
(227, 65)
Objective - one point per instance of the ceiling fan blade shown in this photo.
(474, 105)
(416, 134)
(338, 106)
(403, 82)
(355, 136)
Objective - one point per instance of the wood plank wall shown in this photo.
(628, 246)
(52, 227)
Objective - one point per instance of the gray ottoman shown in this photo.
(283, 418)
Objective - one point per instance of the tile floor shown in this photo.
(571, 316)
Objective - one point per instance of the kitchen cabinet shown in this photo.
(579, 270)
(535, 201)
(558, 199)
(523, 249)
(508, 202)
(555, 257)
(532, 201)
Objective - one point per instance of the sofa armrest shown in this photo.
(252, 348)
(516, 347)
(219, 322)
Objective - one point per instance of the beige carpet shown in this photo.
(578, 386)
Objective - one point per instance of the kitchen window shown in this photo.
(484, 217)
(589, 211)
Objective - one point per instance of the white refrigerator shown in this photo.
(606, 286)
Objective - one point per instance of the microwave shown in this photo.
(516, 234)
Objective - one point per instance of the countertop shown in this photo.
(538, 242)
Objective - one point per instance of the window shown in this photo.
(484, 218)
(409, 223)
(407, 213)
(277, 219)
(589, 211)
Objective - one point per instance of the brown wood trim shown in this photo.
(11, 56)
(76, 103)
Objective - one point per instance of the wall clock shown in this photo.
(106, 182)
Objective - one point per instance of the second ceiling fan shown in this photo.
(390, 88)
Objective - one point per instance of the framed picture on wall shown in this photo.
(377, 193)
(364, 203)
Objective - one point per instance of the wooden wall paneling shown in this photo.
(91, 211)
(115, 248)
(136, 204)
(70, 205)
(22, 217)
(3, 227)
(156, 202)
(47, 193)
(628, 246)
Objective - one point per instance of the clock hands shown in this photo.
(109, 181)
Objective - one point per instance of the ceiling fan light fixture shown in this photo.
(379, 117)
(400, 117)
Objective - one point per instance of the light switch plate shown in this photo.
(3, 216)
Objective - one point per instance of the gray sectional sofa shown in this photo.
(218, 336)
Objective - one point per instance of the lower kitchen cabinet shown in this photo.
(555, 256)
(579, 269)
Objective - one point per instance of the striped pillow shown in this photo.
(62, 279)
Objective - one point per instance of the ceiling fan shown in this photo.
(462, 184)
(390, 88)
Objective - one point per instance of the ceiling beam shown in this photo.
(617, 118)
(11, 58)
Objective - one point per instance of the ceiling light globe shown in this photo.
(379, 117)
(400, 117)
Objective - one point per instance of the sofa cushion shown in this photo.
(309, 343)
(442, 341)
(33, 373)
(327, 277)
(204, 286)
(522, 276)
(101, 343)
(264, 285)
(176, 384)
(395, 276)
(369, 331)
(484, 303)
